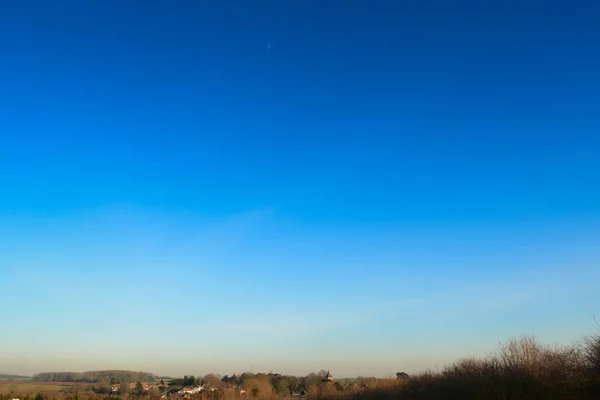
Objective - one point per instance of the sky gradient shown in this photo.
(365, 187)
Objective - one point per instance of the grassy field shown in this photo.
(22, 387)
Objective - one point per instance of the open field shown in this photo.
(24, 387)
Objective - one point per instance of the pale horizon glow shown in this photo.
(146, 268)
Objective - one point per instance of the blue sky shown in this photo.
(364, 187)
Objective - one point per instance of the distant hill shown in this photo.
(96, 376)
(9, 376)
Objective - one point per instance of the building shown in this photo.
(190, 390)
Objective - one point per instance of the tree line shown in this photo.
(280, 384)
(113, 376)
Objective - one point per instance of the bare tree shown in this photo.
(524, 354)
(591, 353)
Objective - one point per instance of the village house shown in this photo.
(190, 390)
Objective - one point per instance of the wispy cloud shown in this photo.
(274, 326)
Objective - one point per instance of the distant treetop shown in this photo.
(96, 376)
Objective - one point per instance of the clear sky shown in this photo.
(361, 186)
